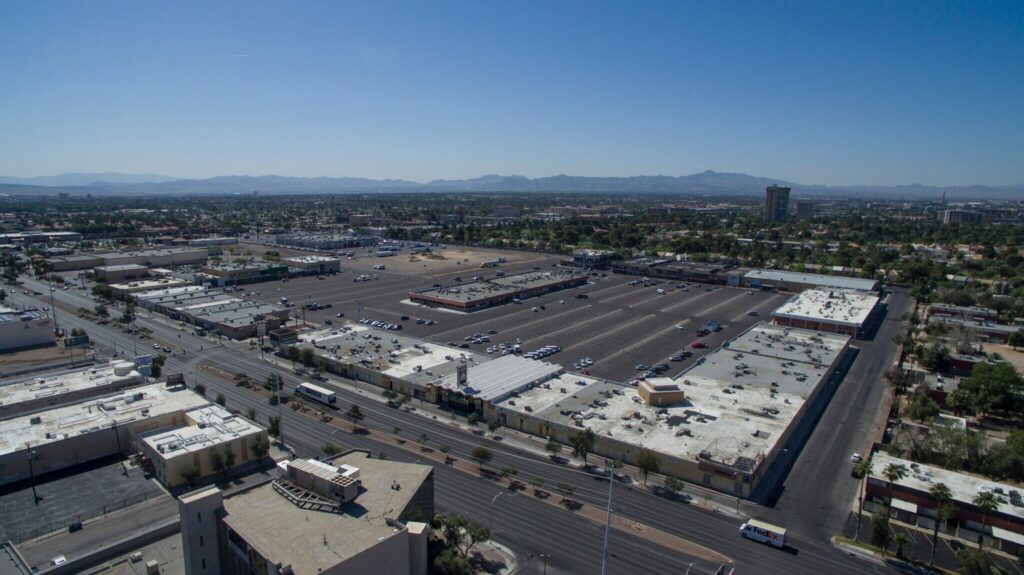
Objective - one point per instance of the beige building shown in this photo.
(351, 515)
(49, 390)
(24, 329)
(119, 273)
(659, 391)
(191, 451)
(73, 434)
(313, 264)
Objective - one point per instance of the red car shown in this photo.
(698, 345)
(702, 333)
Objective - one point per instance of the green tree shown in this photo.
(250, 414)
(900, 539)
(582, 443)
(863, 470)
(994, 386)
(190, 475)
(448, 562)
(274, 426)
(553, 447)
(1016, 339)
(880, 529)
(922, 408)
(647, 462)
(461, 534)
(673, 485)
(260, 448)
(308, 357)
(987, 502)
(199, 388)
(493, 426)
(482, 455)
(229, 457)
(960, 401)
(217, 461)
(221, 400)
(473, 419)
(330, 449)
(893, 473)
(355, 414)
(941, 493)
(102, 311)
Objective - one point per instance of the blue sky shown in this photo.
(812, 92)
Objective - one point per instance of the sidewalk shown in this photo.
(690, 493)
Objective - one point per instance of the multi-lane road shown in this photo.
(814, 502)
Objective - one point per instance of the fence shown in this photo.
(43, 529)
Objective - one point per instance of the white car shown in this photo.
(855, 458)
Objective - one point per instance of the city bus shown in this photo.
(316, 393)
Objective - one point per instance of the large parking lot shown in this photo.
(617, 325)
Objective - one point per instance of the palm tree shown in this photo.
(863, 469)
(987, 502)
(582, 444)
(941, 494)
(900, 539)
(893, 473)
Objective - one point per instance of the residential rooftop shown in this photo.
(843, 307)
(315, 541)
(208, 426)
(95, 414)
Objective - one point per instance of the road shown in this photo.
(528, 526)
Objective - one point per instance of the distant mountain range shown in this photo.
(704, 183)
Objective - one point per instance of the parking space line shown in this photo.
(685, 302)
(620, 296)
(637, 344)
(583, 323)
(610, 333)
(704, 312)
(770, 302)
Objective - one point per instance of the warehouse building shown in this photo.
(670, 269)
(352, 514)
(483, 294)
(833, 311)
(119, 273)
(313, 265)
(725, 423)
(166, 257)
(69, 435)
(48, 390)
(233, 274)
(797, 281)
(911, 502)
(126, 289)
(190, 451)
(24, 329)
(325, 241)
(593, 259)
(967, 312)
(39, 237)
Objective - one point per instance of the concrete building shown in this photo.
(478, 295)
(804, 208)
(776, 203)
(670, 269)
(24, 329)
(166, 257)
(48, 390)
(660, 391)
(313, 265)
(911, 502)
(75, 262)
(188, 451)
(966, 312)
(953, 217)
(310, 520)
(797, 281)
(596, 259)
(831, 311)
(214, 245)
(37, 237)
(77, 433)
(119, 273)
(233, 274)
(126, 289)
(506, 212)
(988, 331)
(325, 241)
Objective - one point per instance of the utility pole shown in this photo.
(53, 308)
(32, 456)
(608, 519)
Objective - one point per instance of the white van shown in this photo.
(764, 533)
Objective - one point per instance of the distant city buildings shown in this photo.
(776, 203)
(804, 209)
(951, 217)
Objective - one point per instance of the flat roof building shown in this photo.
(302, 522)
(911, 501)
(244, 273)
(123, 290)
(833, 311)
(48, 390)
(776, 203)
(797, 281)
(24, 329)
(119, 273)
(77, 433)
(187, 452)
(482, 294)
(316, 265)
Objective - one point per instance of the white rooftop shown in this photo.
(821, 280)
(95, 414)
(310, 259)
(147, 285)
(172, 291)
(848, 308)
(64, 382)
(497, 379)
(208, 426)
(964, 487)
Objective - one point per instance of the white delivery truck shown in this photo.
(764, 533)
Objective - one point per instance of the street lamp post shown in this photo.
(608, 518)
(32, 456)
(544, 557)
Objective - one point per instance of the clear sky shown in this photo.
(819, 92)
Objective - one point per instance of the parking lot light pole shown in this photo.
(608, 518)
(544, 557)
(32, 456)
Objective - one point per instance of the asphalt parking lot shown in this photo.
(617, 325)
(75, 495)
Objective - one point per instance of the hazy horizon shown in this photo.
(820, 94)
